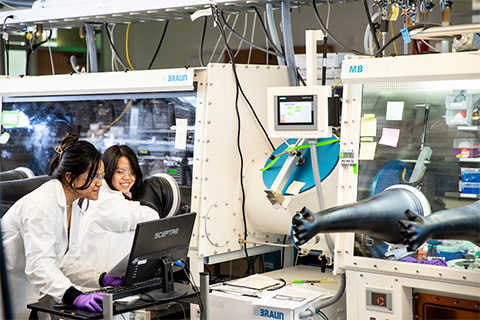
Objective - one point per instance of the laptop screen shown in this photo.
(156, 240)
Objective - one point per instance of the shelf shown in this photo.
(462, 195)
(468, 128)
(462, 160)
(78, 13)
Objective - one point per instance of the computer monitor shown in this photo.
(298, 112)
(156, 245)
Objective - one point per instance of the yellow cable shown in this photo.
(120, 116)
(126, 47)
(336, 84)
(394, 45)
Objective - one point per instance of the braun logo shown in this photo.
(166, 233)
(175, 78)
(268, 313)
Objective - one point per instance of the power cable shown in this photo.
(417, 26)
(329, 34)
(7, 45)
(243, 35)
(370, 23)
(245, 40)
(33, 48)
(126, 46)
(202, 39)
(112, 47)
(265, 31)
(216, 44)
(159, 44)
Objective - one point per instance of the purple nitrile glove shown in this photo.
(112, 281)
(89, 301)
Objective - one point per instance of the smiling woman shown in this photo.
(109, 223)
(41, 228)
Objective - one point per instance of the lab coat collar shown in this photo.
(61, 197)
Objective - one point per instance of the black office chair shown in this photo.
(16, 174)
(12, 190)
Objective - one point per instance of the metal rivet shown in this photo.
(204, 198)
(417, 271)
(205, 179)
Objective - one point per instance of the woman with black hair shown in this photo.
(109, 223)
(39, 230)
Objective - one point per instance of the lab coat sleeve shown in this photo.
(115, 213)
(39, 230)
(79, 272)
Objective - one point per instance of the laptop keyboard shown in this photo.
(123, 291)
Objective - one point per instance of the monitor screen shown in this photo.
(155, 240)
(295, 112)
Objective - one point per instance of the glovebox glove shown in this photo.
(89, 301)
(149, 193)
(112, 281)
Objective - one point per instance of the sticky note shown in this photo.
(181, 134)
(394, 110)
(390, 137)
(10, 118)
(367, 150)
(368, 127)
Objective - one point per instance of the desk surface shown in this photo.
(47, 306)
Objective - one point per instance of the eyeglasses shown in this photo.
(98, 176)
(123, 171)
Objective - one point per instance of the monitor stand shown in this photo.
(168, 291)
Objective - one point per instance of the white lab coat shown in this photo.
(36, 241)
(108, 226)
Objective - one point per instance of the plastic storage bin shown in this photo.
(472, 146)
(459, 112)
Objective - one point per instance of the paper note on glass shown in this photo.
(390, 137)
(181, 134)
(394, 110)
(367, 150)
(368, 126)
